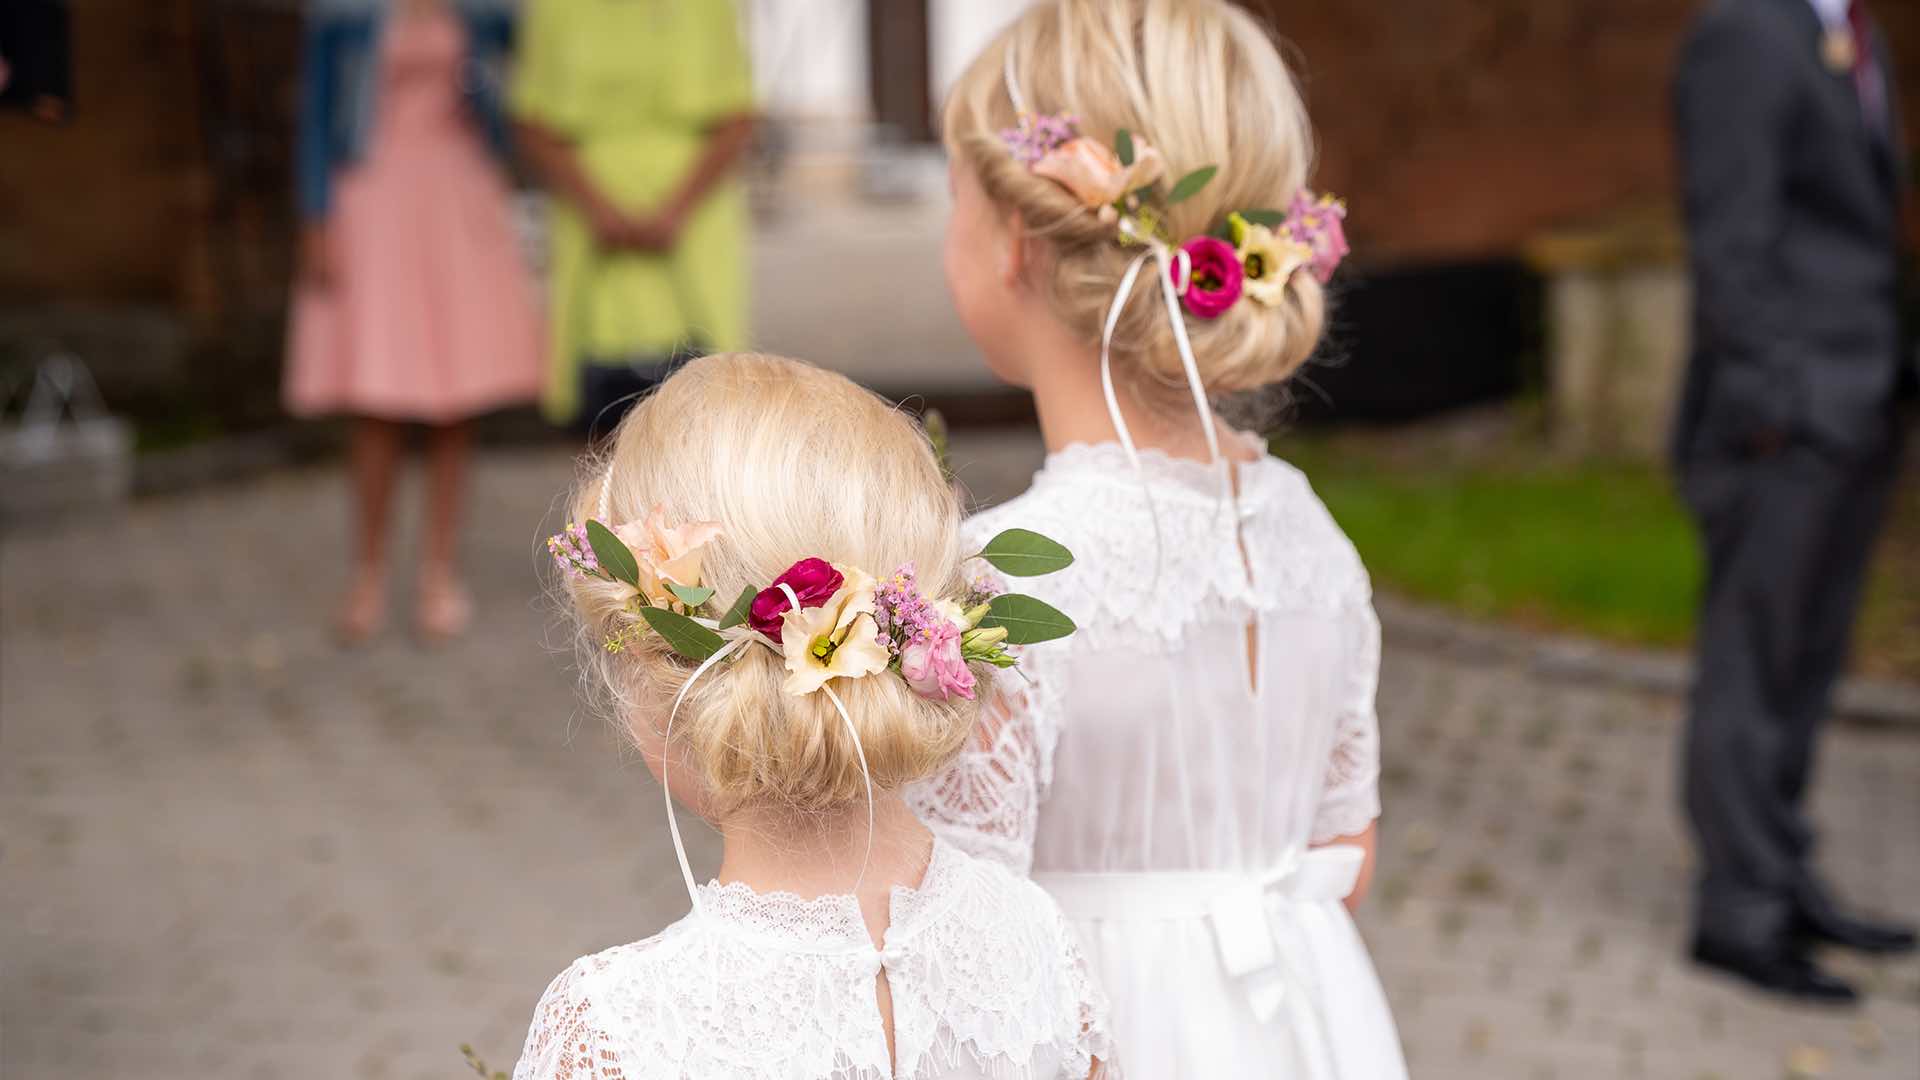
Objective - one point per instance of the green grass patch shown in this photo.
(1601, 549)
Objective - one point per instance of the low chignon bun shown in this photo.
(792, 462)
(1201, 81)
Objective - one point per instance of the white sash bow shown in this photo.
(1259, 944)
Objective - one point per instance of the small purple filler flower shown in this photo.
(983, 587)
(925, 639)
(1037, 135)
(572, 552)
(1320, 223)
(903, 611)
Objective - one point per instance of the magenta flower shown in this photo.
(1216, 277)
(813, 581)
(933, 665)
(1320, 223)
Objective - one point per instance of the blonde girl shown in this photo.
(1193, 774)
(766, 575)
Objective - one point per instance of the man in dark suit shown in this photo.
(1787, 444)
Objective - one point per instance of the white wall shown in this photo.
(960, 28)
(810, 56)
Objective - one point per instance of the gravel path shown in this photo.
(232, 850)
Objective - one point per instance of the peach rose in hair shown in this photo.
(666, 554)
(1093, 173)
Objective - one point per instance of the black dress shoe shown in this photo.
(1778, 969)
(1830, 927)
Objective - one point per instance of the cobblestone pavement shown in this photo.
(232, 850)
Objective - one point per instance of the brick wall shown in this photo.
(1458, 128)
(149, 231)
(103, 206)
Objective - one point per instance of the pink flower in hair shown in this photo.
(1319, 223)
(666, 554)
(933, 665)
(1093, 173)
(1216, 277)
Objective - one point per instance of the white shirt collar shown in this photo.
(1832, 12)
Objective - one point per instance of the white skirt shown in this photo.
(1215, 975)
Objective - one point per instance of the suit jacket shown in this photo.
(1792, 203)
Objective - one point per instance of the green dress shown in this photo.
(637, 85)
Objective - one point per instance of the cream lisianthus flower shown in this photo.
(1093, 173)
(666, 554)
(1266, 259)
(837, 640)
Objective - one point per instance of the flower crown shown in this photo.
(1252, 254)
(829, 620)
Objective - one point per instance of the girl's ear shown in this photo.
(1014, 252)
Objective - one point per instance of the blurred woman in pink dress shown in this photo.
(412, 304)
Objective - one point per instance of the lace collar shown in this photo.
(826, 924)
(1106, 462)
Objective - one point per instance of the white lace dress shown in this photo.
(1167, 782)
(986, 978)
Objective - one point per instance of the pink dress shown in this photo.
(431, 315)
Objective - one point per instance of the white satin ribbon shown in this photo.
(1013, 82)
(1257, 937)
(1252, 948)
(666, 756)
(1174, 265)
(866, 775)
(742, 636)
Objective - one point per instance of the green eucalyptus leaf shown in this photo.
(683, 635)
(692, 597)
(1191, 183)
(1123, 146)
(1270, 218)
(1028, 621)
(934, 422)
(738, 611)
(1025, 554)
(612, 552)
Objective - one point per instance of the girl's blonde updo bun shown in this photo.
(1202, 82)
(792, 462)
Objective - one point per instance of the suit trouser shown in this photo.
(1787, 539)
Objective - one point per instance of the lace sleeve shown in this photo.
(567, 1040)
(986, 800)
(1093, 1047)
(1351, 799)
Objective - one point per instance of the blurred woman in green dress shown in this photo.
(635, 113)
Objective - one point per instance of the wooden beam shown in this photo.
(899, 66)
